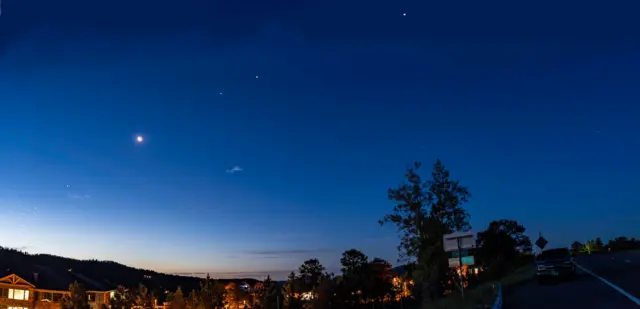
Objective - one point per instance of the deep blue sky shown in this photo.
(535, 108)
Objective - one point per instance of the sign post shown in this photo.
(460, 242)
(541, 242)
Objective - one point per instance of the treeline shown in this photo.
(362, 282)
(424, 211)
(620, 243)
(503, 246)
(108, 272)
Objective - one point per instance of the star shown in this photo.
(404, 14)
(257, 76)
(139, 139)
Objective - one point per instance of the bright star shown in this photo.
(139, 139)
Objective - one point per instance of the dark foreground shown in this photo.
(585, 291)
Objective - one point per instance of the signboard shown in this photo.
(466, 260)
(467, 241)
(458, 246)
(541, 242)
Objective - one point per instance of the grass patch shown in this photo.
(476, 298)
(485, 294)
(518, 276)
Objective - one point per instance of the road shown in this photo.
(621, 269)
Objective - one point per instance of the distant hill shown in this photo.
(57, 272)
(404, 270)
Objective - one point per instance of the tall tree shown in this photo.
(143, 299)
(122, 299)
(290, 292)
(311, 271)
(210, 294)
(267, 294)
(381, 279)
(424, 212)
(232, 296)
(576, 246)
(513, 229)
(497, 250)
(176, 300)
(589, 246)
(501, 245)
(76, 299)
(324, 293)
(598, 245)
(355, 275)
(353, 262)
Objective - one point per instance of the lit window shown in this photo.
(18, 294)
(17, 308)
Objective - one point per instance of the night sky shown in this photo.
(273, 129)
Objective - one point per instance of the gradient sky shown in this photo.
(534, 108)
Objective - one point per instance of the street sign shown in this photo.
(466, 240)
(466, 261)
(541, 242)
(460, 247)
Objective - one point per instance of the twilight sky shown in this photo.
(321, 107)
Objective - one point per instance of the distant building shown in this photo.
(45, 288)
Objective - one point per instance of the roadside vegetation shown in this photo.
(620, 243)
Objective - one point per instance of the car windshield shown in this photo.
(553, 254)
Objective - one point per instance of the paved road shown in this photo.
(586, 291)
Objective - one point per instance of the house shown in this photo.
(45, 287)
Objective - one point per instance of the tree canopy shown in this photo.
(76, 299)
(424, 211)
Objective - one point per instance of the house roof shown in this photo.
(48, 278)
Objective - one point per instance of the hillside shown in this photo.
(103, 274)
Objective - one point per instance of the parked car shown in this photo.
(555, 263)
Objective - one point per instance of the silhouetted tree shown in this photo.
(598, 245)
(176, 300)
(143, 298)
(76, 299)
(311, 271)
(381, 279)
(623, 243)
(324, 293)
(290, 291)
(210, 294)
(355, 275)
(267, 295)
(576, 246)
(513, 229)
(424, 212)
(497, 250)
(122, 299)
